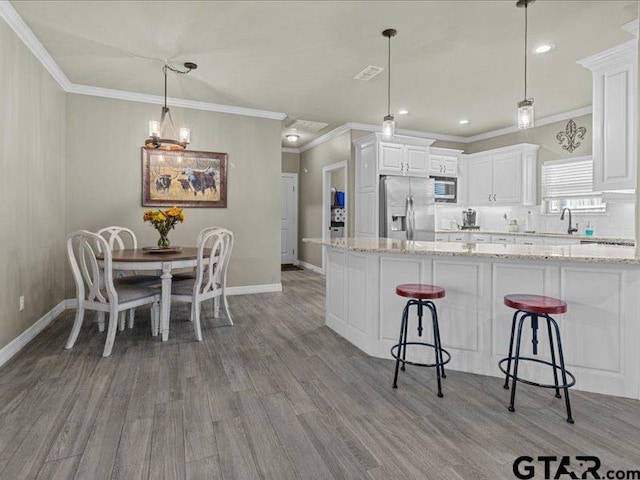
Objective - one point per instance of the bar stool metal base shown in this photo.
(399, 350)
(568, 379)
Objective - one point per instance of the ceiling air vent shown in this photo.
(368, 73)
(307, 126)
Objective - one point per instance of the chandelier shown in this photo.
(163, 134)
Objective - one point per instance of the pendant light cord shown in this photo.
(389, 79)
(165, 86)
(525, 48)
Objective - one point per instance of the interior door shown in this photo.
(289, 218)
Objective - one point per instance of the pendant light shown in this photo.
(525, 106)
(157, 129)
(389, 124)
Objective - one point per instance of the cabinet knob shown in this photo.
(494, 197)
(489, 197)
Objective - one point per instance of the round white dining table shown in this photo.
(140, 259)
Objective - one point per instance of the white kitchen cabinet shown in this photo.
(407, 156)
(391, 158)
(442, 237)
(403, 159)
(480, 181)
(528, 240)
(443, 165)
(504, 239)
(614, 117)
(507, 179)
(504, 176)
(416, 160)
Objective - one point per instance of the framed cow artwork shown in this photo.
(184, 178)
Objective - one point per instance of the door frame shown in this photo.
(294, 176)
(326, 201)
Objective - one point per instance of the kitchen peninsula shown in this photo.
(600, 331)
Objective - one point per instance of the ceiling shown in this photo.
(451, 59)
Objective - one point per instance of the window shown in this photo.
(569, 183)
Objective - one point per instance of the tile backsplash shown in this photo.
(619, 221)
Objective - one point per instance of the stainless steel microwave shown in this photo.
(445, 189)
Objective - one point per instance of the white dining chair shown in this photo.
(97, 290)
(210, 277)
(119, 238)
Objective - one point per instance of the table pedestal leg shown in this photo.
(165, 302)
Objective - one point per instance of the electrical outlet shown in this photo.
(21, 303)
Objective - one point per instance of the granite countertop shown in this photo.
(589, 253)
(539, 234)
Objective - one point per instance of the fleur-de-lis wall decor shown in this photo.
(570, 136)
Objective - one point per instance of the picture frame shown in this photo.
(184, 178)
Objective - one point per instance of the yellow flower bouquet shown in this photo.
(164, 221)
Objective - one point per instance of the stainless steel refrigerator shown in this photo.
(407, 208)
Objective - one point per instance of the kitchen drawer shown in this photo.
(502, 239)
(442, 237)
(479, 238)
(529, 241)
(459, 237)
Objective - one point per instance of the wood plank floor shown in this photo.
(277, 396)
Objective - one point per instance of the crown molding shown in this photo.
(290, 150)
(24, 33)
(326, 137)
(410, 133)
(538, 123)
(174, 102)
(451, 138)
(611, 56)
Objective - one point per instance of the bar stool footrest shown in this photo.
(397, 346)
(571, 382)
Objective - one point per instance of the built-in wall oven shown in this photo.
(445, 189)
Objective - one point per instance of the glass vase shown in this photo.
(163, 241)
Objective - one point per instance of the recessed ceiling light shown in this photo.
(404, 111)
(463, 122)
(544, 48)
(293, 138)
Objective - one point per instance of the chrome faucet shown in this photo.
(570, 230)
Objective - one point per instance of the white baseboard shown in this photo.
(311, 267)
(18, 343)
(250, 289)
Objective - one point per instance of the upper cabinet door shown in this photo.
(614, 116)
(391, 158)
(417, 161)
(614, 133)
(450, 166)
(507, 179)
(479, 179)
(435, 165)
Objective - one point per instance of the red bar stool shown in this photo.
(534, 307)
(421, 296)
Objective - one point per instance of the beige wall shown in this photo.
(545, 136)
(337, 149)
(290, 162)
(32, 147)
(104, 178)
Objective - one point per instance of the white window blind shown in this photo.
(568, 178)
(569, 183)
